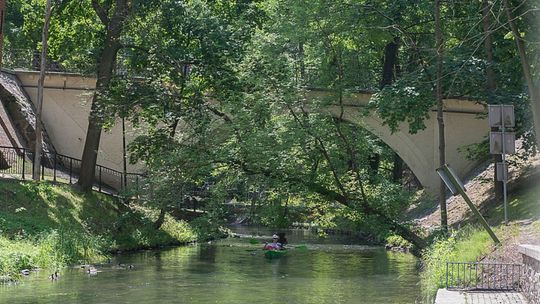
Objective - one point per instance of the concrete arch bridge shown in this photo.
(67, 105)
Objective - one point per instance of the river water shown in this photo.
(235, 271)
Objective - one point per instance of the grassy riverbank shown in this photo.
(471, 243)
(49, 226)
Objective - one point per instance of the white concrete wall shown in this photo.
(66, 106)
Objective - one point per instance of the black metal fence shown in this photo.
(18, 163)
(483, 276)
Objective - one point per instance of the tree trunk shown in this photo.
(302, 63)
(104, 75)
(397, 169)
(2, 17)
(161, 219)
(43, 66)
(395, 226)
(390, 72)
(440, 114)
(534, 90)
(491, 84)
(390, 61)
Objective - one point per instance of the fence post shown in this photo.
(23, 163)
(446, 274)
(54, 165)
(70, 169)
(99, 179)
(33, 165)
(42, 167)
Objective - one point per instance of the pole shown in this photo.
(505, 198)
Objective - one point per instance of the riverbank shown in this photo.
(45, 225)
(469, 242)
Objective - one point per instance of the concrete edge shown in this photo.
(531, 251)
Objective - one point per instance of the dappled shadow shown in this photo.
(28, 209)
(31, 210)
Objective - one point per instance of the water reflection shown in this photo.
(233, 271)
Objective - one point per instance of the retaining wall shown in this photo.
(531, 276)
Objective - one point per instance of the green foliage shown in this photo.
(397, 241)
(468, 245)
(408, 100)
(43, 225)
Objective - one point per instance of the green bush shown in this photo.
(43, 225)
(397, 241)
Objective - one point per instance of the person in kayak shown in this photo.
(282, 240)
(274, 245)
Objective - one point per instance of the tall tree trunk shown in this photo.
(390, 62)
(43, 66)
(534, 88)
(491, 83)
(106, 63)
(301, 55)
(440, 113)
(390, 72)
(2, 18)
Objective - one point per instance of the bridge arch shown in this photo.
(465, 124)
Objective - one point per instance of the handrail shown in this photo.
(18, 161)
(483, 276)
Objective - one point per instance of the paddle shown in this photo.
(301, 247)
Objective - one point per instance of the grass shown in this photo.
(472, 243)
(43, 225)
(524, 204)
(467, 245)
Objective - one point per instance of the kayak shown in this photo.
(274, 253)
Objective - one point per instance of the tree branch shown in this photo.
(101, 11)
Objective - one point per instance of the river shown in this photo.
(331, 270)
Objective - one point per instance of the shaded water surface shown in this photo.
(234, 271)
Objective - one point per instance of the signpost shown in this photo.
(455, 185)
(503, 142)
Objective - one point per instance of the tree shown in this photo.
(491, 82)
(440, 111)
(2, 20)
(43, 66)
(113, 18)
(532, 84)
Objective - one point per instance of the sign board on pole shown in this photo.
(495, 142)
(502, 172)
(496, 117)
(450, 179)
(447, 181)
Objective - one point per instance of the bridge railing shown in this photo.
(27, 59)
(483, 276)
(18, 163)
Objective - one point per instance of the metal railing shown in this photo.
(483, 276)
(56, 167)
(28, 59)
